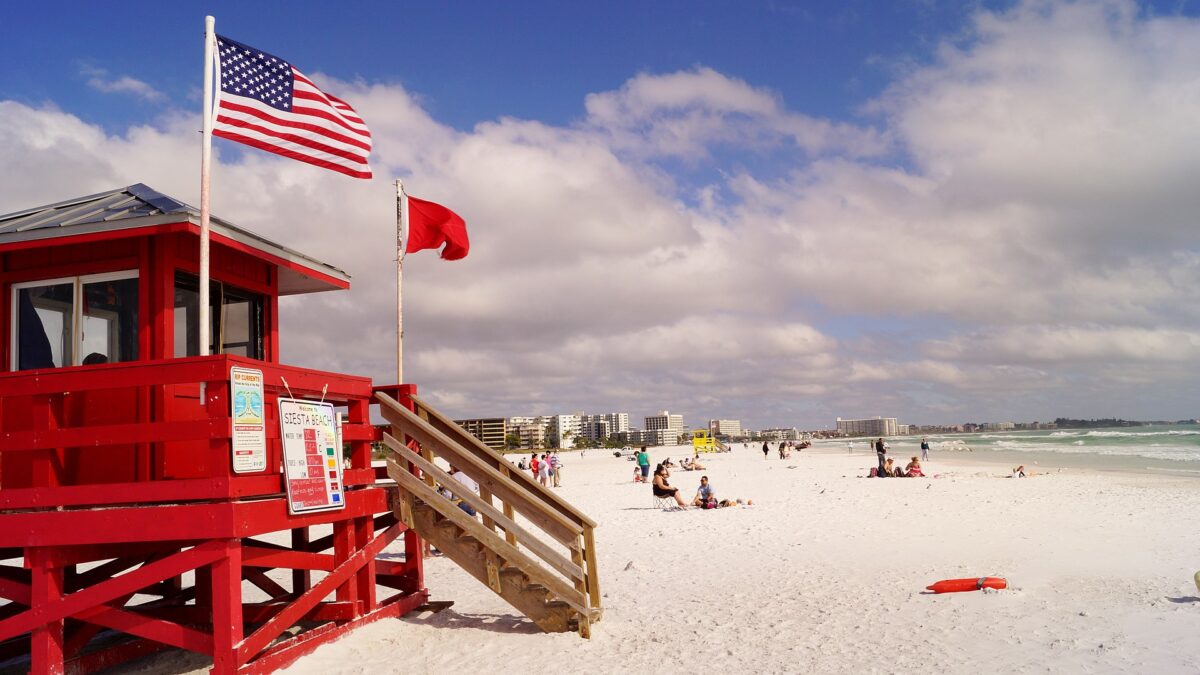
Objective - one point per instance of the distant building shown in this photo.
(731, 428)
(780, 434)
(666, 428)
(998, 426)
(879, 426)
(601, 427)
(563, 430)
(530, 431)
(490, 430)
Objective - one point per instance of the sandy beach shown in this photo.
(826, 573)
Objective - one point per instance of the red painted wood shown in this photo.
(115, 434)
(108, 657)
(135, 439)
(253, 556)
(258, 641)
(46, 639)
(227, 609)
(142, 492)
(16, 591)
(53, 609)
(186, 521)
(287, 652)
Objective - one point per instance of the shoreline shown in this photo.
(1047, 461)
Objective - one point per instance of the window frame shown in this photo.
(76, 310)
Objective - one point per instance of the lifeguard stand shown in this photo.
(125, 525)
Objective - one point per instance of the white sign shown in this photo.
(249, 439)
(312, 455)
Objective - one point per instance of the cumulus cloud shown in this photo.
(100, 80)
(684, 114)
(1006, 234)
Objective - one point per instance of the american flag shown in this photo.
(265, 102)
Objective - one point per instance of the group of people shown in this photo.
(785, 448)
(705, 498)
(889, 469)
(547, 469)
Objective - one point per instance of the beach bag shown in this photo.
(874, 472)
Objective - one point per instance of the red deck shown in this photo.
(121, 467)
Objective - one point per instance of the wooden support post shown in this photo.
(343, 548)
(301, 579)
(589, 552)
(508, 509)
(46, 643)
(227, 608)
(364, 530)
(493, 571)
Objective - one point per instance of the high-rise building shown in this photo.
(600, 427)
(563, 430)
(490, 430)
(780, 434)
(725, 427)
(879, 426)
(666, 428)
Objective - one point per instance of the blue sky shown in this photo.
(476, 61)
(780, 212)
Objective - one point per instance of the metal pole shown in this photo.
(401, 242)
(205, 165)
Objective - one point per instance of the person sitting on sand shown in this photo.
(888, 469)
(705, 494)
(913, 470)
(668, 463)
(1019, 472)
(696, 465)
(663, 489)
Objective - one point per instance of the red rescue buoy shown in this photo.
(960, 585)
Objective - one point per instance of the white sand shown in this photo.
(826, 574)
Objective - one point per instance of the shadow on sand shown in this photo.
(496, 623)
(1184, 600)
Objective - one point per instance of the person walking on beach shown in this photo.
(766, 450)
(924, 450)
(849, 447)
(643, 461)
(881, 452)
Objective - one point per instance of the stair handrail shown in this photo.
(448, 427)
(438, 435)
(551, 557)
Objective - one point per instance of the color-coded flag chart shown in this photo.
(312, 457)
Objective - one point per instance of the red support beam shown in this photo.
(46, 641)
(51, 606)
(114, 434)
(220, 520)
(258, 641)
(253, 556)
(227, 608)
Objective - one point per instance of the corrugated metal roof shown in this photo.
(139, 206)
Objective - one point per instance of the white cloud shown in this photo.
(99, 79)
(1031, 253)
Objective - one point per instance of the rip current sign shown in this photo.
(249, 438)
(312, 455)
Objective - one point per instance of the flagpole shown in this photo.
(401, 241)
(205, 330)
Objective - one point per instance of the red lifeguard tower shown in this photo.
(126, 524)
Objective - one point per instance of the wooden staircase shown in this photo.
(532, 548)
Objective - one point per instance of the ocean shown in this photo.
(1156, 448)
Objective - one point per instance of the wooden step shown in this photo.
(468, 540)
